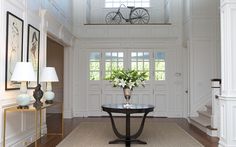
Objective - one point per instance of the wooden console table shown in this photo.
(134, 108)
(36, 112)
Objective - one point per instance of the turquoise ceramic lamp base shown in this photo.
(49, 96)
(49, 75)
(23, 100)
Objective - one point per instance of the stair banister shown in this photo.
(216, 88)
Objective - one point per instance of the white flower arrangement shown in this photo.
(127, 78)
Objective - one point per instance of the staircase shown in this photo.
(208, 120)
(203, 121)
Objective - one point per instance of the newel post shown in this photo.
(215, 117)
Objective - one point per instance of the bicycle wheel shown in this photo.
(139, 16)
(113, 18)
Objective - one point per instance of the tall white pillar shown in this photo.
(228, 74)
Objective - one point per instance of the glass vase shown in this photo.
(127, 95)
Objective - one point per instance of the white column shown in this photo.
(228, 71)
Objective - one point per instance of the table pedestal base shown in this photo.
(128, 139)
(124, 141)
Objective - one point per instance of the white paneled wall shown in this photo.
(200, 34)
(49, 17)
(52, 17)
(201, 38)
(200, 20)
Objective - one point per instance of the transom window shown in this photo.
(160, 66)
(117, 3)
(113, 61)
(94, 66)
(140, 61)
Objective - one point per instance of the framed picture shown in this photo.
(14, 48)
(33, 52)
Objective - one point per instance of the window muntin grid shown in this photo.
(141, 61)
(113, 61)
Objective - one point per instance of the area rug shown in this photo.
(98, 134)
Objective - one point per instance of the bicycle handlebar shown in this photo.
(122, 5)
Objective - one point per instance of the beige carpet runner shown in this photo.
(98, 134)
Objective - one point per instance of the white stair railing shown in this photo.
(215, 118)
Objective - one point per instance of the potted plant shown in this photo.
(127, 79)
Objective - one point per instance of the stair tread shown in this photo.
(202, 121)
(209, 106)
(205, 113)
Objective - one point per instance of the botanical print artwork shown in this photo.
(13, 48)
(33, 51)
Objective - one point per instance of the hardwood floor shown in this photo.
(54, 125)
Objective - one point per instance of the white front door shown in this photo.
(100, 91)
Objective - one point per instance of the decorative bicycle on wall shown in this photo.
(137, 15)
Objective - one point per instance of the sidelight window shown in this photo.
(94, 66)
(160, 69)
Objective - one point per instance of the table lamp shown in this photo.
(49, 75)
(23, 73)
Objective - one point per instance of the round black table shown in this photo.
(134, 108)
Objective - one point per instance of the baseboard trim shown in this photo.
(67, 114)
(79, 114)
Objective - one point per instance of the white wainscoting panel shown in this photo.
(20, 125)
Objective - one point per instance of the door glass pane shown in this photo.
(160, 56)
(107, 74)
(120, 65)
(108, 66)
(113, 61)
(94, 56)
(160, 65)
(160, 73)
(94, 75)
(140, 66)
(94, 66)
(140, 61)
(133, 65)
(114, 66)
(146, 66)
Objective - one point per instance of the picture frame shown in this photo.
(33, 44)
(14, 48)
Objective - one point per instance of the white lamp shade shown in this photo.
(23, 72)
(49, 75)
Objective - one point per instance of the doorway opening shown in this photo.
(55, 58)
